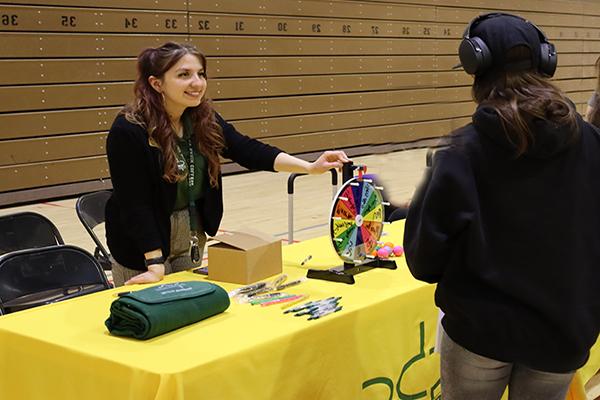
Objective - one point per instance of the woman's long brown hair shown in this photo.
(148, 110)
(519, 97)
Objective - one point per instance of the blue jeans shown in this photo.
(469, 376)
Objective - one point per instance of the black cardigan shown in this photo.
(138, 212)
(513, 243)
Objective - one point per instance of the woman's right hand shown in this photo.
(155, 273)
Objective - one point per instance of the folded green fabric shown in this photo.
(150, 312)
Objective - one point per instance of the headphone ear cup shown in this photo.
(548, 59)
(474, 55)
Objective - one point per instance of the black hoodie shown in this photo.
(513, 242)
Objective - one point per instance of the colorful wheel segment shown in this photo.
(356, 220)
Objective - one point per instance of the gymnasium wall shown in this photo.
(304, 75)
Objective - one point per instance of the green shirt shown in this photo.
(197, 192)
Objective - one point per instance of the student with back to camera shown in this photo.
(163, 152)
(506, 223)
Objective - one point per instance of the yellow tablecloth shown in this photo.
(378, 347)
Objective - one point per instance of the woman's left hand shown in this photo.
(327, 161)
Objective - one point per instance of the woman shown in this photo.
(507, 223)
(592, 112)
(163, 152)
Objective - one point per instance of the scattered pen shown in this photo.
(316, 309)
(292, 283)
(311, 304)
(319, 315)
(254, 301)
(281, 300)
(291, 303)
(307, 259)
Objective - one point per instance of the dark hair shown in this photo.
(148, 110)
(518, 97)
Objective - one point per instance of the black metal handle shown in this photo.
(292, 178)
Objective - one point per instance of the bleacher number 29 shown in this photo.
(10, 19)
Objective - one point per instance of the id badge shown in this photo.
(194, 249)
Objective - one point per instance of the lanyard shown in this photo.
(190, 179)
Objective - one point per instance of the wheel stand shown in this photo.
(345, 273)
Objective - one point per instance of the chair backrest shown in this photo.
(90, 210)
(32, 277)
(25, 230)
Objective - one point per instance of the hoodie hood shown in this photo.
(550, 138)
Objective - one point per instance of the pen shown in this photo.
(309, 304)
(282, 300)
(270, 299)
(291, 303)
(307, 259)
(268, 296)
(292, 283)
(319, 315)
(316, 309)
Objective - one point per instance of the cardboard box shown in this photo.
(244, 257)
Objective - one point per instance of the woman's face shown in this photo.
(183, 85)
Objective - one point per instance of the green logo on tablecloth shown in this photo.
(433, 391)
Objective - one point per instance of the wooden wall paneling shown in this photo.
(569, 46)
(576, 59)
(24, 176)
(39, 71)
(60, 19)
(504, 5)
(202, 23)
(589, 7)
(140, 4)
(282, 66)
(319, 65)
(27, 98)
(302, 74)
(367, 136)
(31, 45)
(565, 72)
(573, 33)
(590, 46)
(580, 97)
(280, 106)
(49, 123)
(337, 9)
(279, 86)
(232, 67)
(24, 151)
(241, 45)
(290, 126)
(574, 85)
(464, 15)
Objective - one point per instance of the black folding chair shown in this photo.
(90, 210)
(33, 277)
(25, 230)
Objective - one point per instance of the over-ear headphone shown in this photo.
(476, 57)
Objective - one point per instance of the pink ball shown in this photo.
(398, 251)
(383, 253)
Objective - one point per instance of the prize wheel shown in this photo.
(356, 220)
